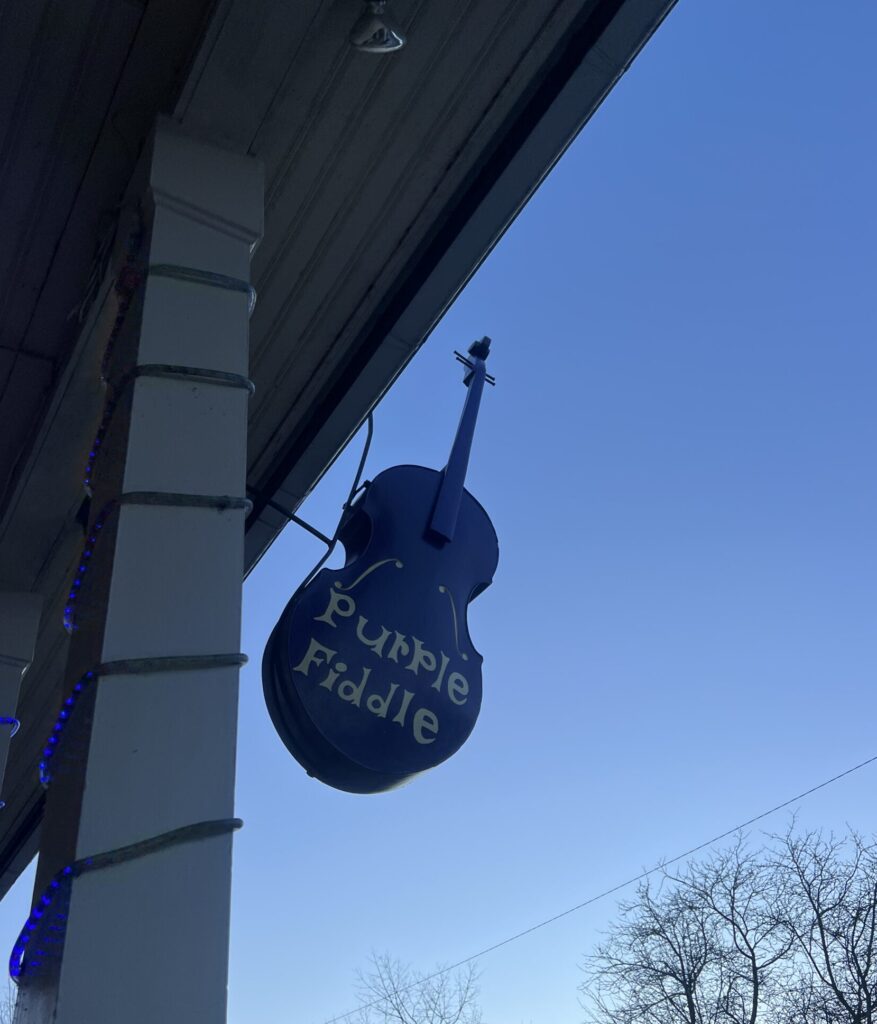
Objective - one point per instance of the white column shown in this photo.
(19, 623)
(147, 756)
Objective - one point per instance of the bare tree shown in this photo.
(828, 900)
(661, 963)
(704, 948)
(392, 993)
(738, 888)
(784, 935)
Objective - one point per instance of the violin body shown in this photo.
(370, 675)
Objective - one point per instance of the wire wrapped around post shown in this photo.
(57, 892)
(127, 667)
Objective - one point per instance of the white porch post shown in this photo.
(145, 762)
(19, 623)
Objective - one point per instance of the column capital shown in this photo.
(203, 182)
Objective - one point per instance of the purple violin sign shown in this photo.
(370, 675)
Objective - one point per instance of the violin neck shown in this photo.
(447, 506)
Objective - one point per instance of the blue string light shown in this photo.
(40, 910)
(129, 280)
(100, 436)
(127, 666)
(14, 722)
(109, 409)
(51, 747)
(84, 561)
(60, 887)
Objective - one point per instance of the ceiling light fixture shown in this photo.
(375, 31)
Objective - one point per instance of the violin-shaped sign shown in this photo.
(370, 675)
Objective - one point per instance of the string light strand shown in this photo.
(172, 499)
(57, 892)
(128, 666)
(167, 371)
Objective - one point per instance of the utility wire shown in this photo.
(614, 889)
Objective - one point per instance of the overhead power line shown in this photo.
(615, 888)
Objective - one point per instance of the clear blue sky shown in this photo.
(679, 461)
